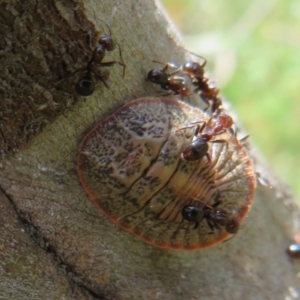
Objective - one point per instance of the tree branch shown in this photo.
(54, 240)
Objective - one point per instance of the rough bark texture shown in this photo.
(53, 240)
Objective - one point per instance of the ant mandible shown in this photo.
(199, 146)
(177, 82)
(85, 85)
(213, 216)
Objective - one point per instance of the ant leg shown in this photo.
(211, 226)
(77, 71)
(217, 200)
(263, 181)
(216, 225)
(167, 92)
(124, 65)
(205, 100)
(231, 131)
(217, 203)
(196, 225)
(217, 103)
(208, 157)
(103, 80)
(71, 77)
(193, 123)
(210, 119)
(197, 55)
(108, 29)
(111, 63)
(199, 129)
(243, 139)
(168, 65)
(219, 141)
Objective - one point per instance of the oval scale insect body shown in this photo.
(130, 165)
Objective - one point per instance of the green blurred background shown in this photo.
(253, 52)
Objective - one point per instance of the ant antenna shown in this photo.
(195, 54)
(124, 65)
(199, 56)
(263, 181)
(108, 29)
(113, 12)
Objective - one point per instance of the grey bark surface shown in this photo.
(53, 240)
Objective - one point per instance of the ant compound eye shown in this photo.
(85, 86)
(130, 166)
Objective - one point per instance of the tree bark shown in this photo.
(54, 241)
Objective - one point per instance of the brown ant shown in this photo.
(199, 146)
(85, 85)
(214, 217)
(207, 93)
(176, 83)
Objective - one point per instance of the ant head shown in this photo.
(85, 86)
(196, 150)
(225, 120)
(232, 226)
(193, 69)
(192, 213)
(107, 42)
(158, 76)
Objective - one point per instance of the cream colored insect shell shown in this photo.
(130, 165)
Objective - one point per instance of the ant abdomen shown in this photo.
(85, 86)
(232, 226)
